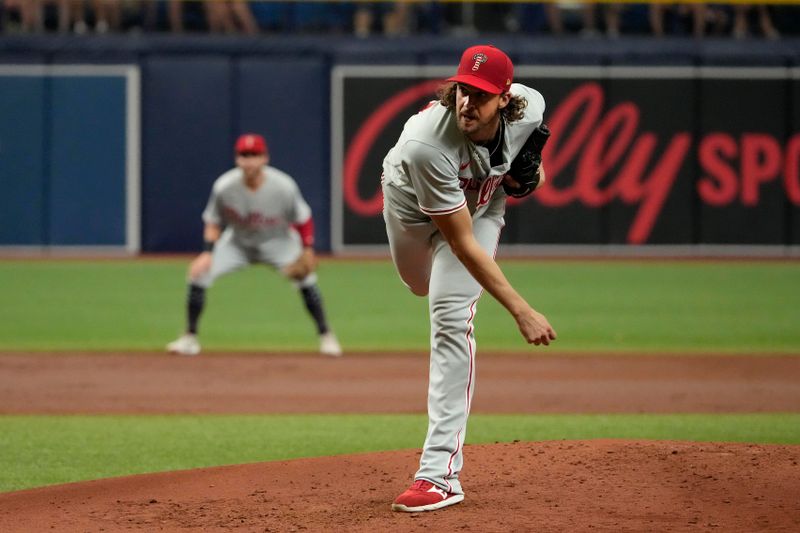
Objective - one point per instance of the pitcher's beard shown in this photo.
(468, 126)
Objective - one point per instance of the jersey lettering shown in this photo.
(469, 184)
(487, 189)
(252, 220)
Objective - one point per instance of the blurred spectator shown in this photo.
(741, 22)
(390, 18)
(72, 14)
(471, 18)
(28, 12)
(555, 21)
(611, 19)
(717, 19)
(563, 17)
(221, 16)
(364, 19)
(399, 17)
(230, 16)
(129, 15)
(31, 13)
(148, 11)
(274, 16)
(539, 17)
(677, 14)
(74, 11)
(493, 17)
(108, 15)
(175, 15)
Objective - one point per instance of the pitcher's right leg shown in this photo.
(453, 300)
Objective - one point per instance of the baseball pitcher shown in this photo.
(445, 184)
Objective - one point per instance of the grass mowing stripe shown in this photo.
(673, 306)
(773, 428)
(44, 450)
(595, 305)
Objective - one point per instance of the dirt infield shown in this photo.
(392, 383)
(602, 485)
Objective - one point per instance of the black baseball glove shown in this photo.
(525, 167)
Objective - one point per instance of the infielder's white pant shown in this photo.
(229, 256)
(427, 266)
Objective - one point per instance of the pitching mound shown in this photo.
(604, 485)
(560, 486)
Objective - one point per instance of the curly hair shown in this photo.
(515, 109)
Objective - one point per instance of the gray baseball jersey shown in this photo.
(258, 224)
(435, 169)
(438, 167)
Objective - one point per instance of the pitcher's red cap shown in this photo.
(251, 143)
(486, 67)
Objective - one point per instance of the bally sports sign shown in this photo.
(638, 155)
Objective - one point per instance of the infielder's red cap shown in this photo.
(486, 67)
(251, 143)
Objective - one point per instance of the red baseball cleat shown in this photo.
(424, 496)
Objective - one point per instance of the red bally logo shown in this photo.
(598, 156)
(602, 142)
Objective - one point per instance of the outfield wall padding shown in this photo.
(198, 92)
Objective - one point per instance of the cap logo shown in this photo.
(479, 58)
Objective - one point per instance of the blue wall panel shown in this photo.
(287, 101)
(87, 169)
(22, 159)
(187, 124)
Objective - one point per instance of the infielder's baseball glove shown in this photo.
(525, 167)
(304, 265)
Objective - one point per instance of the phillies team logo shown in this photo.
(479, 58)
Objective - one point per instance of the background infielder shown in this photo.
(445, 184)
(265, 220)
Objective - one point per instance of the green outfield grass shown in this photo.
(44, 450)
(619, 306)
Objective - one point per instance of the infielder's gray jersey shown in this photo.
(435, 169)
(435, 164)
(255, 217)
(258, 224)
